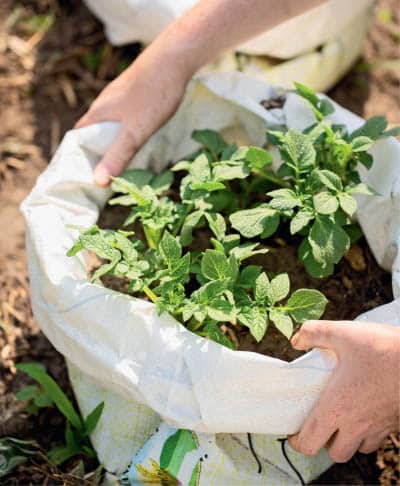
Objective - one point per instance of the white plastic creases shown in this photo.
(142, 20)
(120, 343)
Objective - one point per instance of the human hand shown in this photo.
(142, 98)
(360, 405)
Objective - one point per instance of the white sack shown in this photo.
(142, 20)
(121, 345)
(316, 48)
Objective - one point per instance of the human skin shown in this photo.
(360, 405)
(149, 91)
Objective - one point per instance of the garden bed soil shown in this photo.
(43, 90)
(357, 285)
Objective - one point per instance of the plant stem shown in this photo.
(150, 294)
(271, 177)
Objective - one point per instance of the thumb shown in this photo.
(316, 334)
(116, 158)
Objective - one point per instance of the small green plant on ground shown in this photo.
(48, 393)
(232, 196)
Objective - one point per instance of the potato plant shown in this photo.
(232, 196)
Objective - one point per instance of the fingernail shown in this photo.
(101, 176)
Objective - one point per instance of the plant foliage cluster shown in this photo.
(233, 195)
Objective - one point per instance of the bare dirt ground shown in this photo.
(54, 59)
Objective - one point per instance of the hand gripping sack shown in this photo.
(148, 368)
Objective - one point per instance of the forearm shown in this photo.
(213, 26)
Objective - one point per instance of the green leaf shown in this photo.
(258, 158)
(253, 222)
(191, 221)
(93, 418)
(262, 288)
(220, 310)
(214, 333)
(58, 455)
(27, 392)
(99, 245)
(208, 186)
(247, 250)
(120, 184)
(248, 276)
(301, 220)
(162, 182)
(256, 319)
(361, 189)
(282, 322)
(306, 304)
(362, 144)
(328, 241)
(283, 199)
(228, 170)
(325, 203)
(51, 388)
(182, 165)
(306, 93)
(211, 140)
(326, 107)
(200, 170)
(365, 159)
(313, 268)
(300, 151)
(393, 132)
(217, 224)
(140, 177)
(372, 128)
(279, 288)
(329, 179)
(347, 203)
(170, 249)
(214, 265)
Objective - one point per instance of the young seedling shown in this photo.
(47, 393)
(231, 195)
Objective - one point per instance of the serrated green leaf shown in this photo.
(214, 265)
(325, 203)
(170, 249)
(306, 304)
(282, 322)
(254, 222)
(220, 310)
(299, 150)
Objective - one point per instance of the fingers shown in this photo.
(343, 445)
(319, 334)
(116, 158)
(372, 443)
(312, 437)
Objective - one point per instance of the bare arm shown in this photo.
(147, 94)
